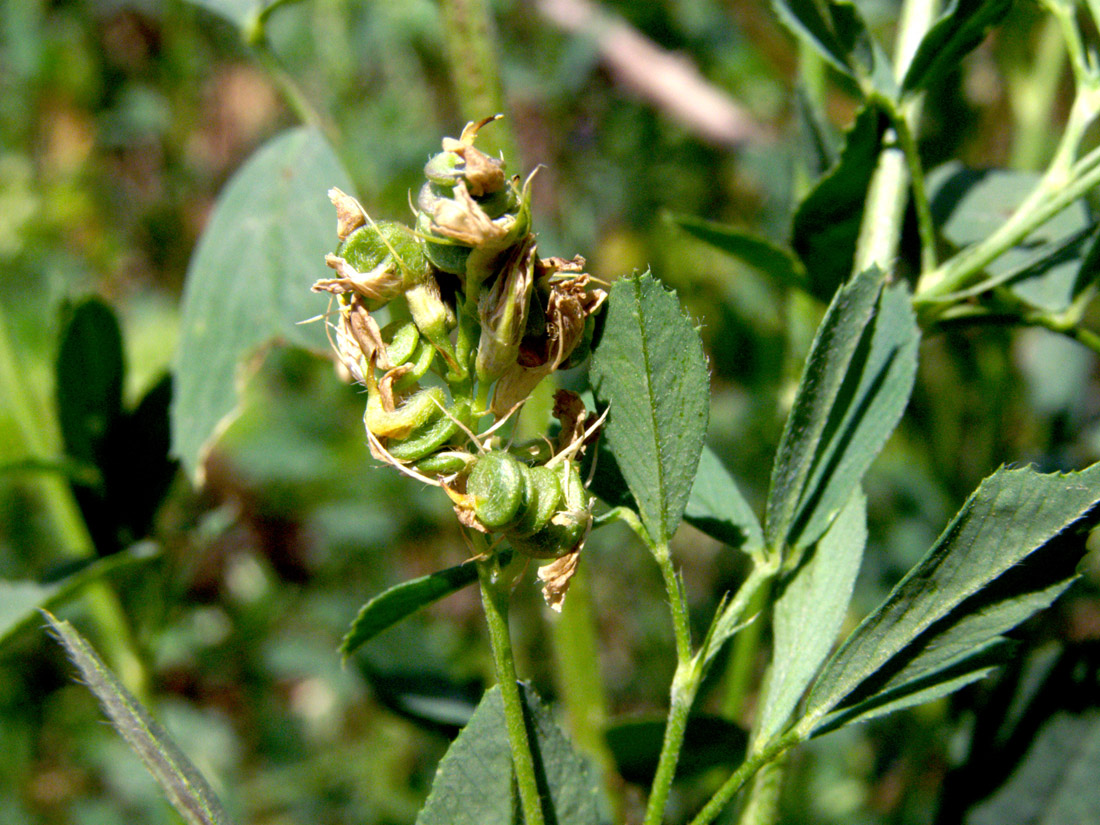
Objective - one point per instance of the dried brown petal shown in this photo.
(462, 219)
(383, 283)
(556, 576)
(503, 312)
(349, 214)
(569, 410)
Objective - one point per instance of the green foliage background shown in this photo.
(120, 123)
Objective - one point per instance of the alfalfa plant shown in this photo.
(476, 319)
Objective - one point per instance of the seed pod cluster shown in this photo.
(476, 321)
(542, 511)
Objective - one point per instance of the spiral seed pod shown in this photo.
(382, 261)
(542, 511)
(469, 213)
(496, 484)
(566, 526)
(401, 419)
(435, 434)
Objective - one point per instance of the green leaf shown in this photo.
(1050, 268)
(474, 784)
(21, 600)
(1008, 553)
(834, 29)
(145, 470)
(809, 613)
(961, 28)
(249, 281)
(817, 140)
(717, 507)
(237, 12)
(403, 600)
(854, 388)
(709, 742)
(90, 374)
(180, 781)
(775, 261)
(650, 367)
(826, 224)
(1055, 783)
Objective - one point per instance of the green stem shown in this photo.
(926, 227)
(898, 166)
(576, 658)
(747, 769)
(689, 675)
(1067, 327)
(1033, 92)
(762, 807)
(742, 666)
(471, 47)
(293, 95)
(685, 684)
(494, 598)
(677, 603)
(1053, 194)
(1064, 182)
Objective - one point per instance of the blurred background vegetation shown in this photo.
(120, 122)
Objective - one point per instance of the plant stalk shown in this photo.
(576, 657)
(755, 761)
(898, 167)
(685, 684)
(1064, 181)
(494, 597)
(471, 47)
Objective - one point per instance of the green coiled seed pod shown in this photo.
(445, 169)
(412, 414)
(566, 527)
(497, 483)
(431, 436)
(402, 338)
(444, 463)
(389, 256)
(542, 499)
(445, 255)
(493, 204)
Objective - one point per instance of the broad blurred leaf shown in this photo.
(774, 261)
(1053, 264)
(650, 367)
(90, 375)
(854, 388)
(709, 742)
(474, 784)
(428, 696)
(717, 507)
(237, 12)
(834, 29)
(961, 28)
(809, 613)
(403, 600)
(249, 281)
(1055, 783)
(21, 601)
(827, 222)
(180, 781)
(1008, 553)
